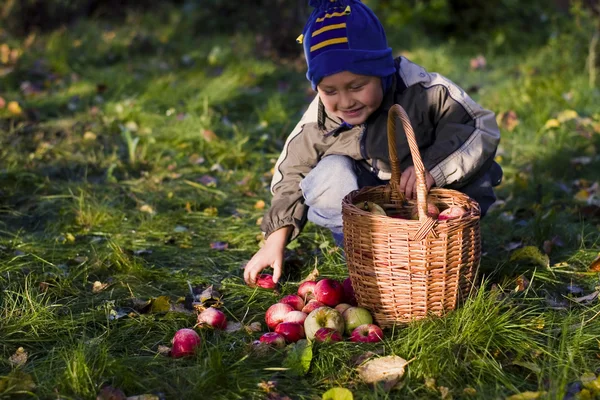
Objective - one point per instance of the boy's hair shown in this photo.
(344, 35)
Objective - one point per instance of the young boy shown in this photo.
(341, 144)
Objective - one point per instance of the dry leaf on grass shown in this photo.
(382, 369)
(19, 358)
(595, 265)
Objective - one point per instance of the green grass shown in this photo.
(101, 180)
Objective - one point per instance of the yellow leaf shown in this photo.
(89, 136)
(595, 265)
(14, 108)
(259, 221)
(147, 209)
(188, 207)
(566, 115)
(209, 135)
(527, 396)
(582, 195)
(552, 123)
(70, 237)
(211, 211)
(259, 205)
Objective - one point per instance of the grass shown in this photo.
(141, 146)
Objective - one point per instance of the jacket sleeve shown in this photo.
(466, 135)
(295, 162)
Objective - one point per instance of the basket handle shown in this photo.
(396, 111)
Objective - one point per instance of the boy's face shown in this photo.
(351, 97)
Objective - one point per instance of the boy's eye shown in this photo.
(356, 87)
(329, 92)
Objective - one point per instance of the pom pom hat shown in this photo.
(344, 35)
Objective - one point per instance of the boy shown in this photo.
(340, 144)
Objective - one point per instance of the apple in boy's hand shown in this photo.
(324, 317)
(367, 333)
(265, 281)
(342, 307)
(273, 339)
(295, 316)
(185, 342)
(213, 317)
(291, 331)
(329, 292)
(327, 335)
(311, 306)
(293, 300)
(451, 213)
(306, 290)
(355, 317)
(276, 313)
(349, 296)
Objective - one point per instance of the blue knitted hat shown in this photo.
(345, 35)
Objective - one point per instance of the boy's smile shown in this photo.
(351, 97)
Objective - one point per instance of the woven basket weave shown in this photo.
(403, 269)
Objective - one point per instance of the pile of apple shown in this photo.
(324, 310)
(433, 211)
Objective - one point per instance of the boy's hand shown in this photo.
(408, 182)
(270, 255)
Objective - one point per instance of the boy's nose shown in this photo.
(346, 102)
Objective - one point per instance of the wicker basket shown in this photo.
(403, 269)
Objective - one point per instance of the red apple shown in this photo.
(452, 213)
(324, 317)
(185, 342)
(295, 316)
(293, 300)
(367, 333)
(327, 335)
(342, 307)
(355, 317)
(349, 296)
(275, 314)
(273, 339)
(213, 317)
(291, 331)
(329, 292)
(311, 306)
(432, 210)
(265, 281)
(306, 290)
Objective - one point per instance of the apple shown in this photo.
(311, 306)
(367, 333)
(349, 296)
(293, 300)
(291, 331)
(327, 335)
(355, 317)
(185, 343)
(275, 314)
(324, 317)
(342, 307)
(213, 317)
(295, 316)
(329, 292)
(273, 339)
(432, 210)
(306, 290)
(265, 281)
(451, 213)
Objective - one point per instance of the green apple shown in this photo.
(323, 317)
(355, 317)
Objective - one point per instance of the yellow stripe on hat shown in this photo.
(328, 42)
(328, 28)
(336, 14)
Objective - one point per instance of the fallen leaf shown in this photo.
(469, 391)
(211, 211)
(527, 396)
(164, 350)
(299, 358)
(567, 115)
(551, 124)
(17, 381)
(266, 386)
(98, 286)
(588, 298)
(14, 108)
(208, 180)
(220, 246)
(111, 393)
(161, 304)
(209, 135)
(19, 358)
(312, 276)
(445, 393)
(382, 369)
(595, 265)
(233, 327)
(508, 120)
(522, 283)
(338, 393)
(89, 136)
(254, 327)
(147, 209)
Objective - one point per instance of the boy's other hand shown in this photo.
(408, 182)
(270, 255)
